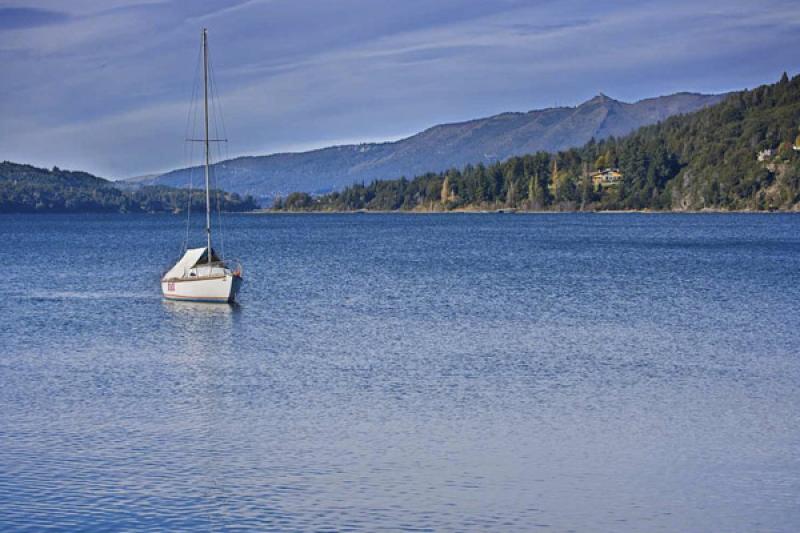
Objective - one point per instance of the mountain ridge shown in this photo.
(442, 146)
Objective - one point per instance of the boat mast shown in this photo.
(208, 152)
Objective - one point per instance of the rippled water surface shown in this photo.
(417, 373)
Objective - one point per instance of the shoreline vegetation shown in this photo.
(740, 155)
(28, 189)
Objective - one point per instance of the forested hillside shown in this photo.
(28, 189)
(743, 153)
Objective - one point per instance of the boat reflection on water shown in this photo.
(199, 309)
(203, 326)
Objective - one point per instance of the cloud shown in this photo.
(12, 18)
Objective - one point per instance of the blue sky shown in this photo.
(104, 86)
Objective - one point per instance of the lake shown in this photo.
(569, 372)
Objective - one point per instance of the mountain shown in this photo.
(28, 189)
(740, 154)
(441, 147)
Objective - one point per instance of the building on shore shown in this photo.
(766, 154)
(606, 177)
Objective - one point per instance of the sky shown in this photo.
(105, 85)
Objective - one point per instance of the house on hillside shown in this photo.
(764, 155)
(606, 177)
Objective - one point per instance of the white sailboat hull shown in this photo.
(222, 288)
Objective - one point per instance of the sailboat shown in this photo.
(201, 275)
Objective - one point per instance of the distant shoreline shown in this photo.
(520, 212)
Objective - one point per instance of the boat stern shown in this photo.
(215, 289)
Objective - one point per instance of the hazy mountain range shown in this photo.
(440, 147)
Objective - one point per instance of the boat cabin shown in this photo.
(195, 264)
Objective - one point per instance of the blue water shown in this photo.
(405, 373)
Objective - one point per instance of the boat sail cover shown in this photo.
(190, 259)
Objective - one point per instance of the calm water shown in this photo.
(418, 373)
